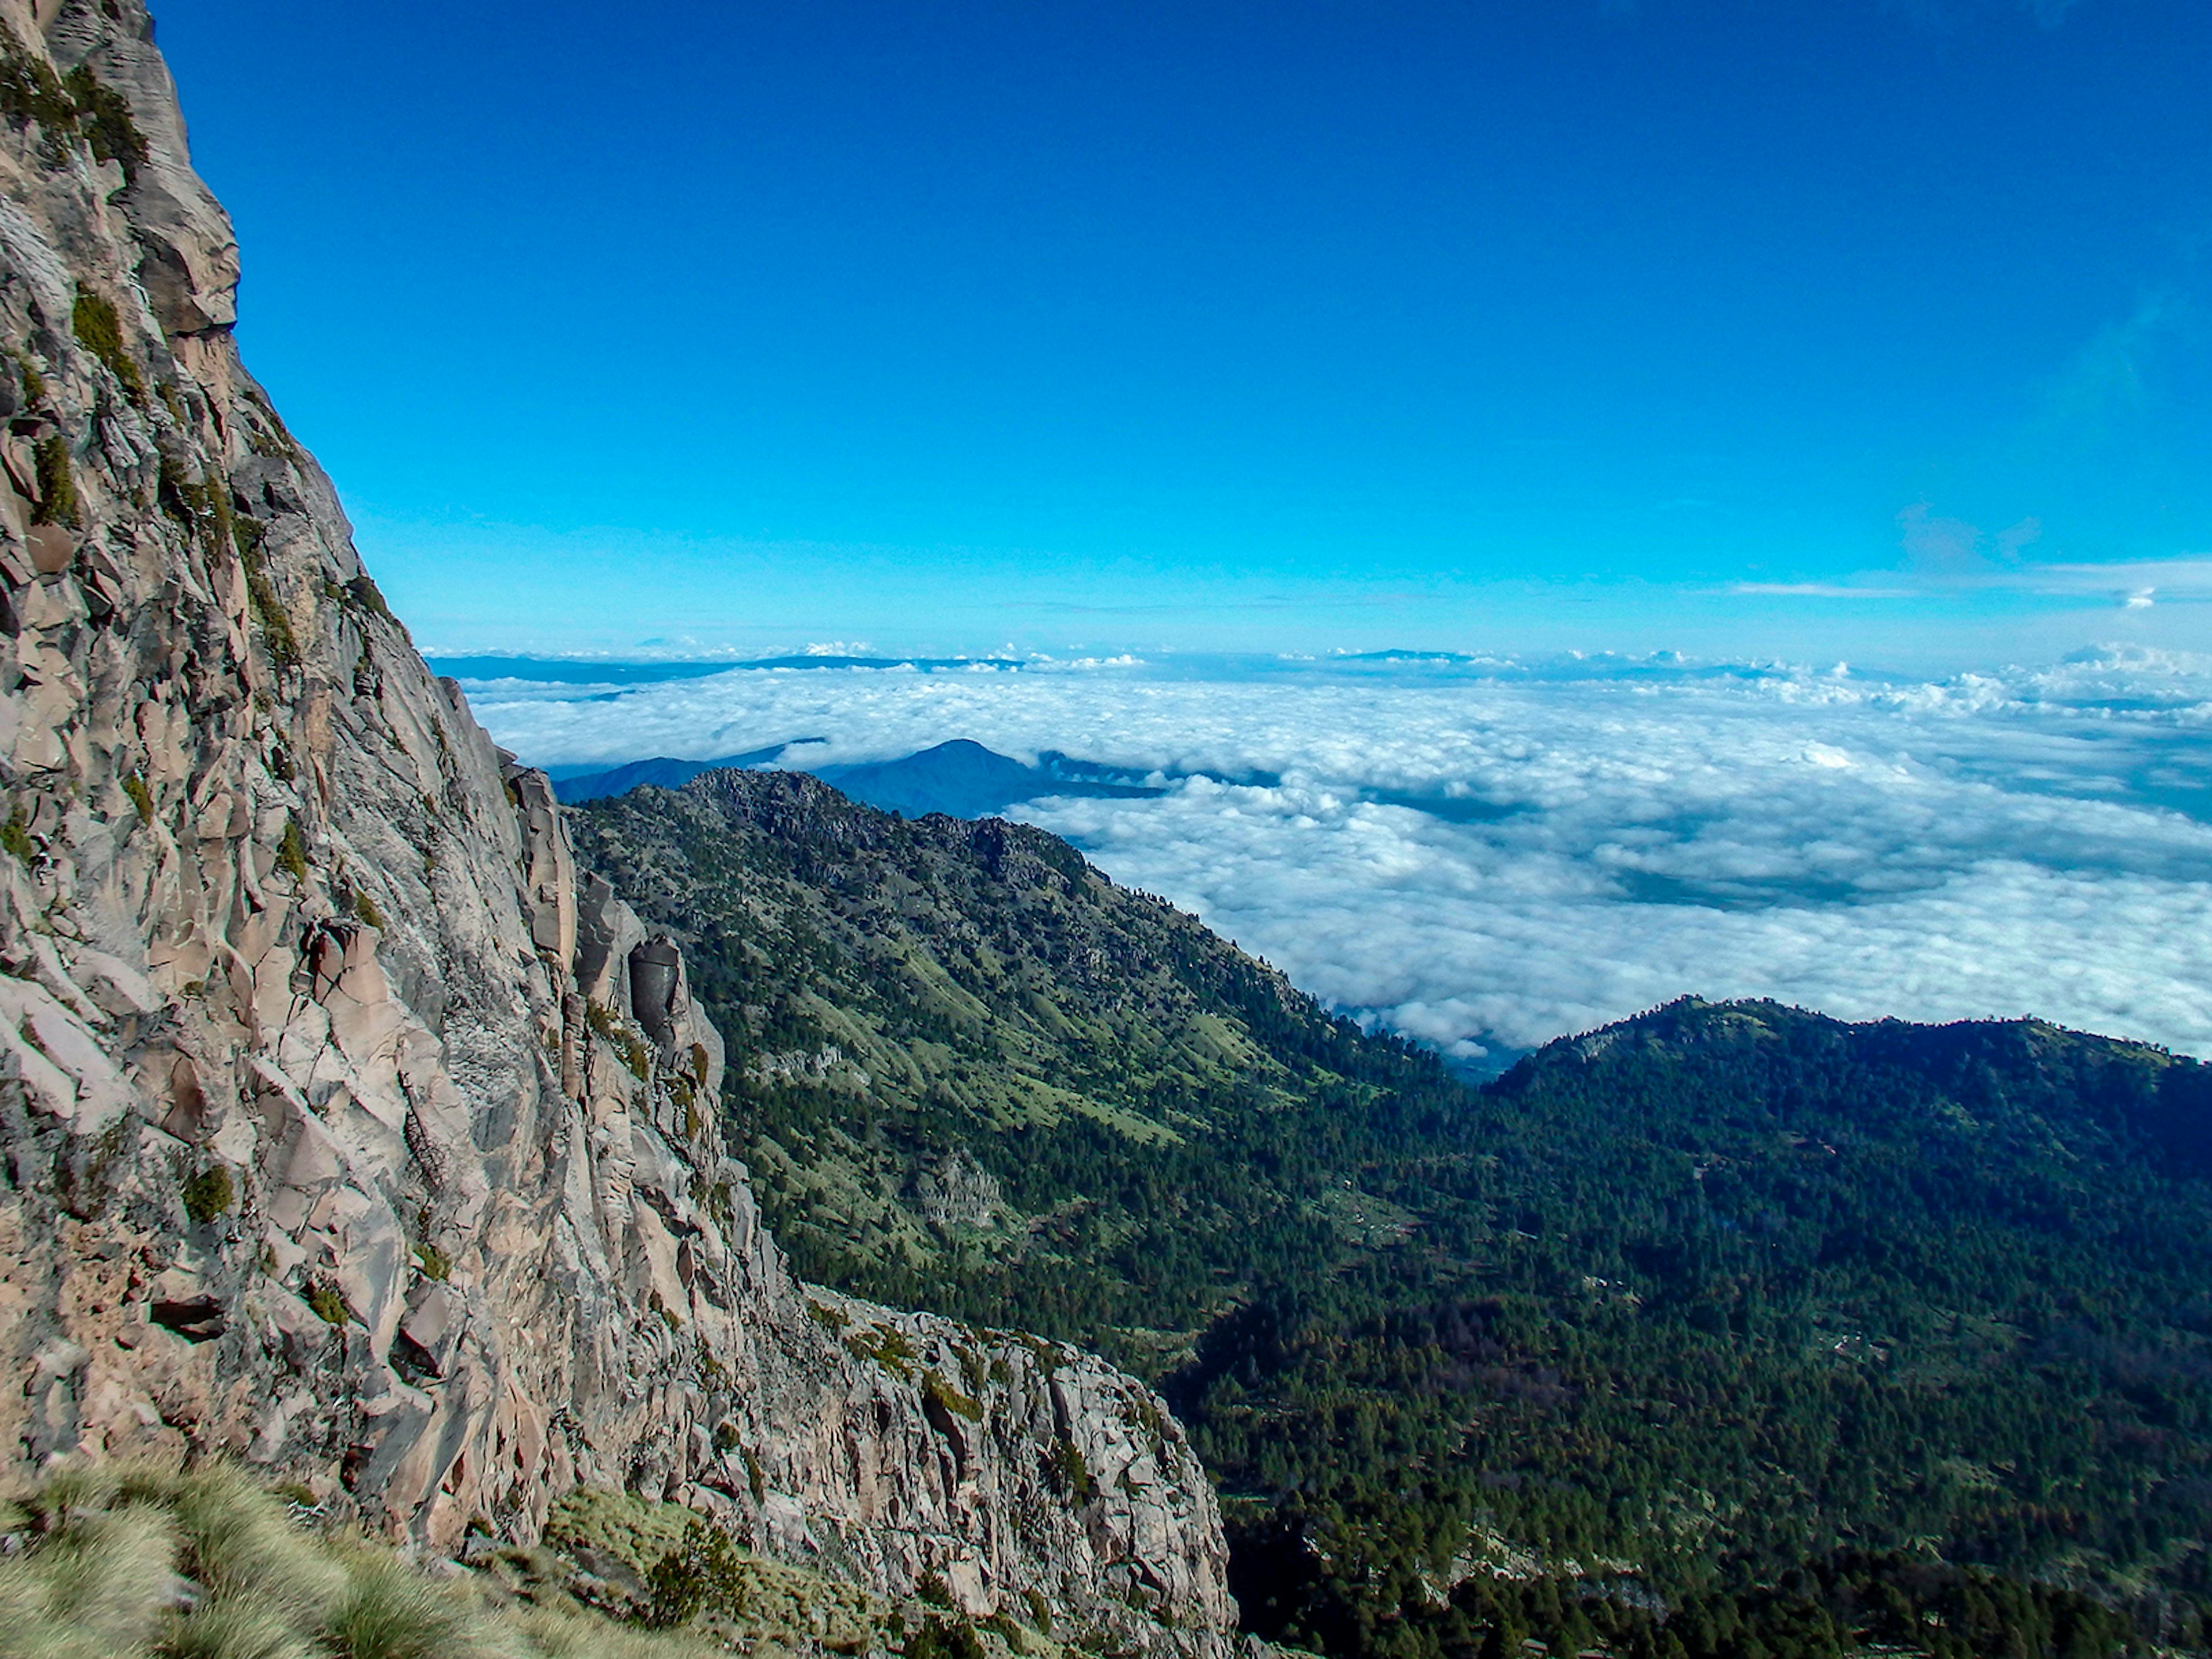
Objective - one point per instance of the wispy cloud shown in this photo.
(1821, 591)
(1947, 558)
(2186, 580)
(2107, 385)
(1945, 547)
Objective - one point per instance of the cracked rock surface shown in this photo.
(344, 1132)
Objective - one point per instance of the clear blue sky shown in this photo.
(1510, 324)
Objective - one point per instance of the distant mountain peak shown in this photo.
(959, 778)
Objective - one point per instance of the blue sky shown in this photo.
(1796, 327)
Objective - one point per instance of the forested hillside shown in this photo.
(1738, 1290)
(975, 1073)
(1732, 1329)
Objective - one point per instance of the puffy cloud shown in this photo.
(1486, 854)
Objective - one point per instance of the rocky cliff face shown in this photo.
(343, 1133)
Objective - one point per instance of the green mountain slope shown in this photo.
(974, 1072)
(1720, 1296)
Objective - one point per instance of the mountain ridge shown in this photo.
(959, 778)
(969, 1070)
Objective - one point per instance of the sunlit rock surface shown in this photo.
(345, 1135)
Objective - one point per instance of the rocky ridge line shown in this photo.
(343, 1133)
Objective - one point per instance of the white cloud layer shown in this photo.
(1488, 854)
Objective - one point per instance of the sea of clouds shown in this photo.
(1489, 854)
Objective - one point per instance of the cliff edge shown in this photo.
(344, 1134)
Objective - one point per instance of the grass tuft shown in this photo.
(390, 1612)
(96, 1585)
(239, 1540)
(146, 1563)
(237, 1627)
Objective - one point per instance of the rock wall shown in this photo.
(343, 1133)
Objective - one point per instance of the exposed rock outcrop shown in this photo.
(343, 1133)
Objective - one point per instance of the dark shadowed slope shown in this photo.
(965, 780)
(662, 771)
(960, 779)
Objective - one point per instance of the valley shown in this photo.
(1692, 1302)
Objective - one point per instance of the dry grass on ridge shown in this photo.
(142, 1563)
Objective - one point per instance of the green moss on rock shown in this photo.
(58, 497)
(210, 1193)
(104, 118)
(99, 328)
